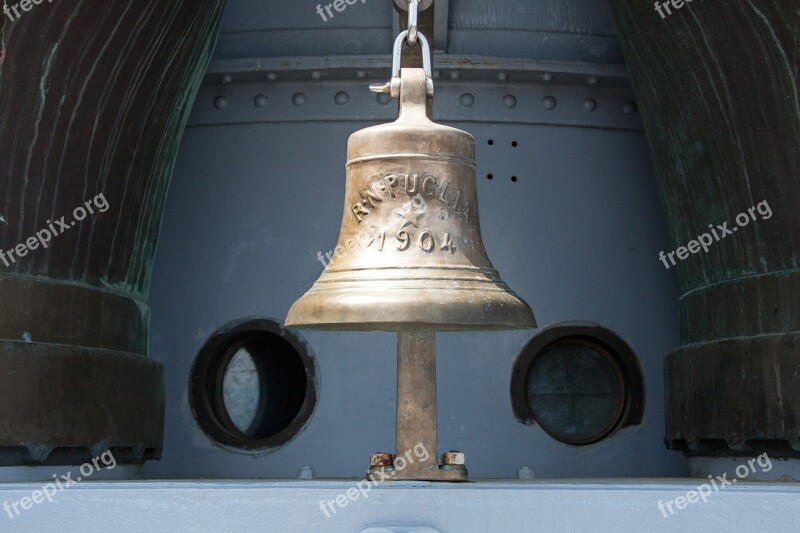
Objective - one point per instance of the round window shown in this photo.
(579, 383)
(252, 386)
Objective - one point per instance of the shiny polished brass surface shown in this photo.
(410, 254)
(410, 259)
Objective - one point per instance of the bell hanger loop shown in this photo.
(392, 88)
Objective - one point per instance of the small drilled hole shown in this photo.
(491, 142)
(513, 178)
(489, 176)
(514, 144)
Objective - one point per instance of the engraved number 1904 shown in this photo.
(426, 241)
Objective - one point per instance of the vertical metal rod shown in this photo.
(416, 399)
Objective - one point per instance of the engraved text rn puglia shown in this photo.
(394, 185)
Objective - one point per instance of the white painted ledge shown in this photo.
(503, 506)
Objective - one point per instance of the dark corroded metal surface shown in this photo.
(718, 90)
(94, 96)
(63, 313)
(67, 404)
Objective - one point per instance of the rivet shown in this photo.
(513, 178)
(341, 98)
(361, 74)
(221, 102)
(590, 104)
(525, 473)
(547, 77)
(454, 75)
(315, 74)
(629, 108)
(227, 78)
(383, 98)
(272, 76)
(299, 99)
(509, 101)
(591, 80)
(548, 102)
(502, 76)
(467, 99)
(260, 100)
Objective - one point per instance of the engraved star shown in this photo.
(411, 214)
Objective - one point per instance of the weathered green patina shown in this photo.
(718, 91)
(94, 96)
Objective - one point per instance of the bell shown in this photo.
(410, 254)
(410, 259)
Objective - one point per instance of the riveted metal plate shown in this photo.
(585, 106)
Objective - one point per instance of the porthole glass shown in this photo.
(575, 391)
(253, 386)
(579, 382)
(241, 390)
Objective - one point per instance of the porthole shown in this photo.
(579, 383)
(253, 386)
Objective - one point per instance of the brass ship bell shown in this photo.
(410, 254)
(410, 257)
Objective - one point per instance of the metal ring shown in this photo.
(402, 5)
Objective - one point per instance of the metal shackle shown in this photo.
(392, 88)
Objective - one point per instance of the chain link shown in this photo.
(413, 15)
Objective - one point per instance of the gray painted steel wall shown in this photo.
(577, 236)
(566, 30)
(258, 191)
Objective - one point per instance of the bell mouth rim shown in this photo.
(395, 327)
(395, 310)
